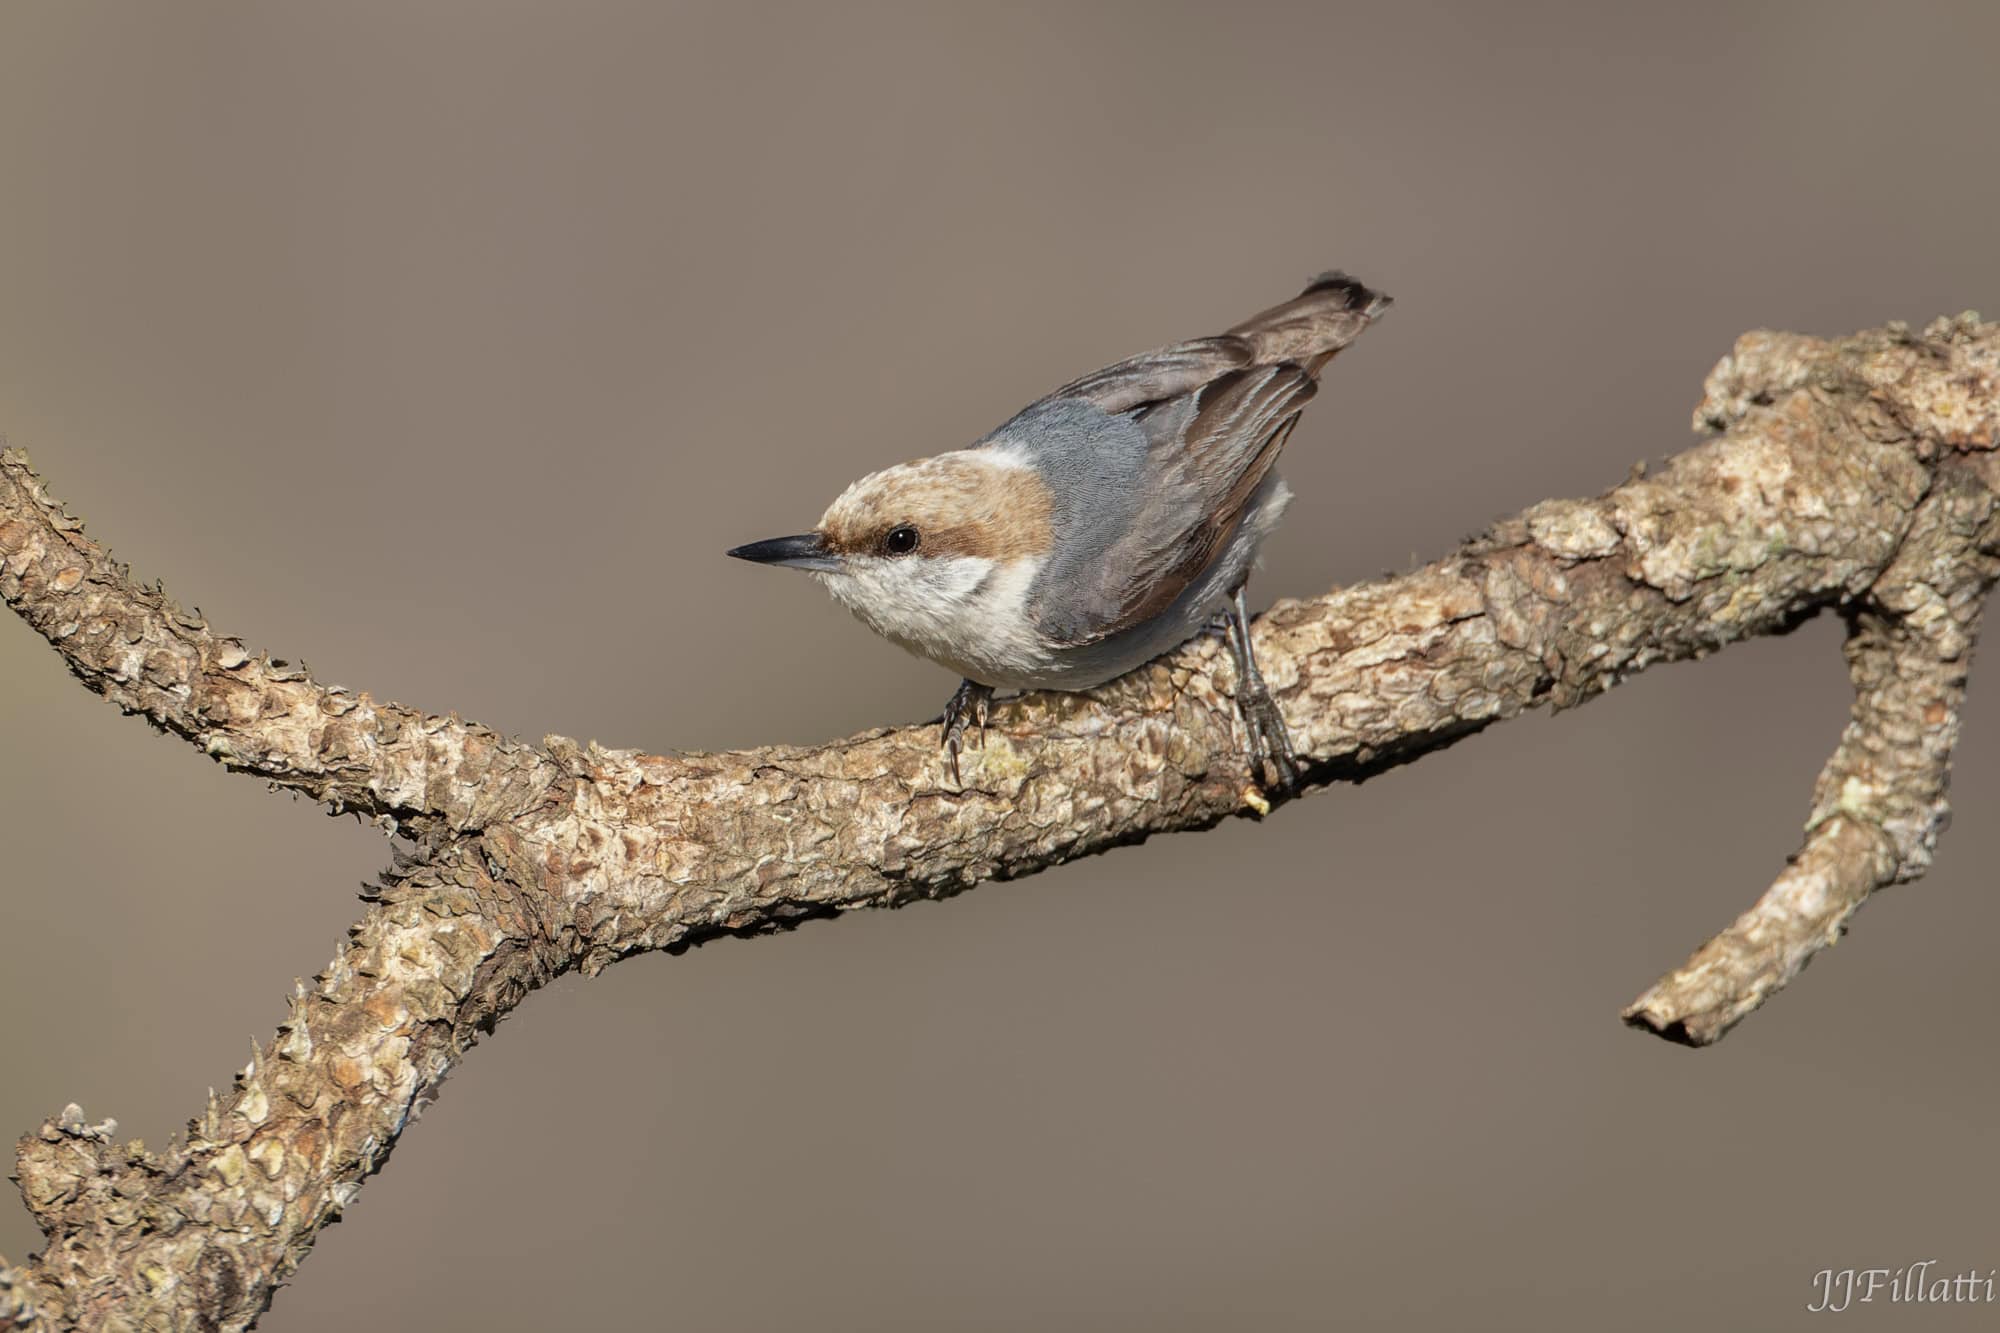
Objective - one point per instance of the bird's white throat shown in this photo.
(967, 613)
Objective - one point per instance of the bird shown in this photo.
(1100, 527)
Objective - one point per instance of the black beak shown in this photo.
(806, 551)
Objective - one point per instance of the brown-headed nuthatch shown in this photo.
(1099, 528)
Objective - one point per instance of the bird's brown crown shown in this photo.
(974, 502)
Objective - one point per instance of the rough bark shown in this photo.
(1855, 474)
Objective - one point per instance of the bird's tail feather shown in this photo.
(1329, 314)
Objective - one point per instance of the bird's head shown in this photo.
(927, 552)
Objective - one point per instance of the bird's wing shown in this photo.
(1207, 451)
(1214, 412)
(1156, 376)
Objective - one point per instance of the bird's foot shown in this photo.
(968, 707)
(1271, 754)
(1270, 744)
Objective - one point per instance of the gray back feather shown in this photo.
(1151, 462)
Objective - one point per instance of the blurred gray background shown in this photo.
(448, 345)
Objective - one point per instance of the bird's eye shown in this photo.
(902, 540)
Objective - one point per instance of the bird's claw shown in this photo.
(1270, 743)
(1277, 766)
(970, 706)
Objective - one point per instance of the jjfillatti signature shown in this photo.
(1835, 1289)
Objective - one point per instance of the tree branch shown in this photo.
(135, 646)
(1855, 474)
(1879, 805)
